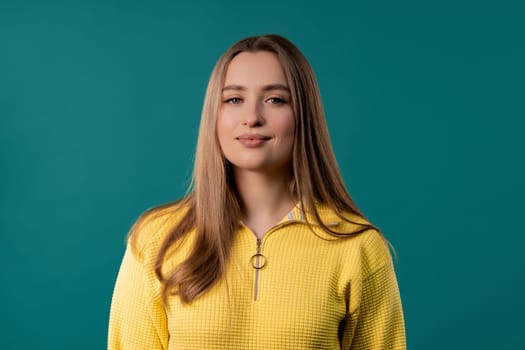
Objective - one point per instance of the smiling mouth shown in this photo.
(253, 140)
(253, 137)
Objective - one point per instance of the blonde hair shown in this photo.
(212, 207)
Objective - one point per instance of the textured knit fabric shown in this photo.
(315, 291)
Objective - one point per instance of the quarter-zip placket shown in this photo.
(258, 261)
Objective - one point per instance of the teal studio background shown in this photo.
(99, 109)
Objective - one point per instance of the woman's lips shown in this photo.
(252, 140)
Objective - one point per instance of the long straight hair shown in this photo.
(212, 210)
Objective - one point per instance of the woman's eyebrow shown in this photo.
(276, 87)
(268, 87)
(234, 88)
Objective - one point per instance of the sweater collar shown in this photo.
(343, 223)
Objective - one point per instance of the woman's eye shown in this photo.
(276, 100)
(233, 100)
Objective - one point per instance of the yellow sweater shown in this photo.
(313, 292)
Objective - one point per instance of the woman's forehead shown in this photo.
(255, 69)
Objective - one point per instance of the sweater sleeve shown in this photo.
(377, 322)
(137, 317)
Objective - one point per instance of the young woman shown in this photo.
(268, 250)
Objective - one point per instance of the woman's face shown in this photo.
(256, 125)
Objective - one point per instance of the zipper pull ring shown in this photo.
(258, 261)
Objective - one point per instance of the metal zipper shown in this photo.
(258, 261)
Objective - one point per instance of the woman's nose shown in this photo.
(253, 115)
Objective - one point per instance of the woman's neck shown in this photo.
(265, 199)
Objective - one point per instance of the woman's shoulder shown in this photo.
(359, 238)
(364, 253)
(374, 250)
(153, 225)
